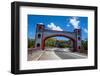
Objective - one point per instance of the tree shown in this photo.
(85, 44)
(50, 42)
(31, 43)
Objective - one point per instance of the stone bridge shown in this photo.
(42, 34)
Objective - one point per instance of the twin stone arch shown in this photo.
(42, 34)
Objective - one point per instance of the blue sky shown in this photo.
(60, 23)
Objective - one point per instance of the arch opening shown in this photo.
(59, 41)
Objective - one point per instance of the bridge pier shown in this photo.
(78, 40)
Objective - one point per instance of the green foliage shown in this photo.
(31, 43)
(50, 42)
(85, 44)
(62, 44)
(53, 42)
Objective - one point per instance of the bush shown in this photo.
(31, 43)
(85, 44)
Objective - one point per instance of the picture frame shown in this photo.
(19, 11)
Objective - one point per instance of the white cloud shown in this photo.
(74, 22)
(68, 25)
(52, 26)
(85, 30)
